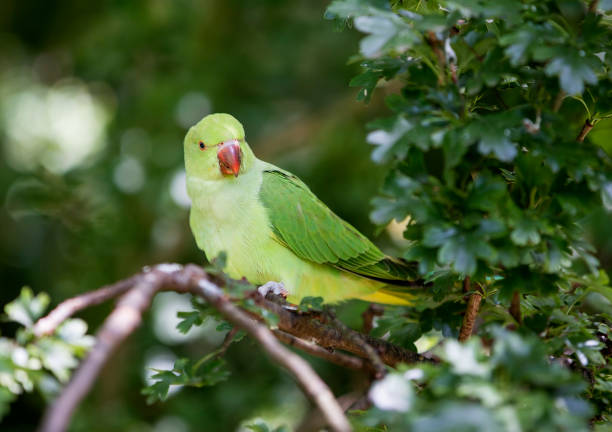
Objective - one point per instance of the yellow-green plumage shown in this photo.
(273, 228)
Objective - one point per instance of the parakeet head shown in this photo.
(215, 148)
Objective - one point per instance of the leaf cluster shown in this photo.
(509, 386)
(28, 363)
(493, 173)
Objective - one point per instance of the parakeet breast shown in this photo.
(227, 217)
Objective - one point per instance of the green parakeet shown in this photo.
(273, 228)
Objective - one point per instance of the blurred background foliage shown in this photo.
(95, 98)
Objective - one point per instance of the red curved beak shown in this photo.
(230, 157)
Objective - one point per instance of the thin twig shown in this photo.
(471, 312)
(227, 341)
(67, 308)
(332, 356)
(373, 310)
(434, 43)
(515, 307)
(558, 101)
(355, 400)
(466, 285)
(359, 340)
(586, 128)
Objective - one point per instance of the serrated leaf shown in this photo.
(208, 372)
(57, 357)
(574, 69)
(351, 8)
(367, 80)
(434, 236)
(381, 30)
(494, 135)
(27, 308)
(385, 140)
(526, 233)
(188, 320)
(386, 31)
(486, 193)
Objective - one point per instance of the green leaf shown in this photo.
(311, 303)
(521, 43)
(27, 308)
(462, 252)
(494, 135)
(207, 372)
(261, 426)
(486, 193)
(188, 320)
(574, 69)
(58, 357)
(437, 236)
(606, 195)
(386, 31)
(386, 139)
(351, 8)
(526, 233)
(6, 398)
(368, 81)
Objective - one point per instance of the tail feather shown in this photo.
(390, 296)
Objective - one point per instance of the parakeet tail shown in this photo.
(390, 296)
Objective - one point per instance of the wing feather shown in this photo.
(313, 232)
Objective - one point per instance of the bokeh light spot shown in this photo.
(129, 175)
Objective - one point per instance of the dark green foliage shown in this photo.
(492, 167)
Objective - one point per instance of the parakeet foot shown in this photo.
(277, 288)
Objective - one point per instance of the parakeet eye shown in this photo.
(202, 145)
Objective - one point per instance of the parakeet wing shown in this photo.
(313, 232)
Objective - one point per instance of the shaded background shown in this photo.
(95, 98)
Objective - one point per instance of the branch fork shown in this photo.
(318, 334)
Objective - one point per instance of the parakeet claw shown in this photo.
(277, 288)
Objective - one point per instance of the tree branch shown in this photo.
(359, 340)
(312, 326)
(586, 128)
(558, 101)
(368, 316)
(331, 356)
(471, 312)
(127, 315)
(67, 308)
(515, 307)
